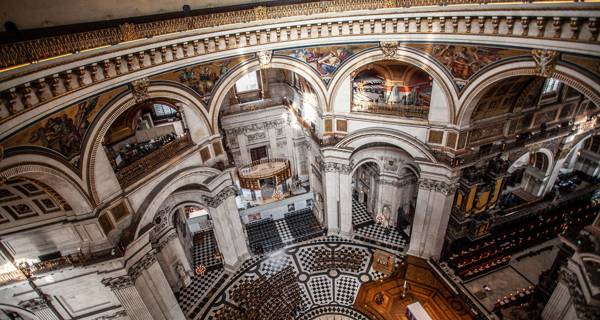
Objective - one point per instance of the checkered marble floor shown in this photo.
(385, 237)
(360, 216)
(322, 285)
(205, 250)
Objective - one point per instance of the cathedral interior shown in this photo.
(310, 160)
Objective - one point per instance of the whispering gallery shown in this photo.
(310, 160)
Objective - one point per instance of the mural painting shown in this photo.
(64, 131)
(464, 61)
(325, 60)
(203, 77)
(392, 88)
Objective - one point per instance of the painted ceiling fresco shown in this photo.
(326, 59)
(465, 61)
(203, 77)
(65, 130)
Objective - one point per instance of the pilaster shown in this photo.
(127, 294)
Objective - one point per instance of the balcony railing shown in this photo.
(10, 277)
(143, 166)
(395, 109)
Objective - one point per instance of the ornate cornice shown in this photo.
(216, 201)
(118, 282)
(144, 263)
(437, 186)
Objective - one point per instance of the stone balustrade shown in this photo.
(31, 86)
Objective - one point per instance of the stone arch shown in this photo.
(406, 55)
(278, 62)
(550, 157)
(170, 184)
(363, 137)
(124, 101)
(52, 173)
(571, 76)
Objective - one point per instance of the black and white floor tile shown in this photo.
(365, 229)
(360, 216)
(320, 289)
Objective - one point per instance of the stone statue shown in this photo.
(184, 278)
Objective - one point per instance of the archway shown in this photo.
(384, 192)
(95, 162)
(476, 89)
(444, 94)
(271, 120)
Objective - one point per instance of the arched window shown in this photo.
(162, 111)
(540, 161)
(550, 86)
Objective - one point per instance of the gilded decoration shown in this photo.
(140, 90)
(64, 131)
(389, 48)
(465, 61)
(325, 60)
(203, 78)
(545, 61)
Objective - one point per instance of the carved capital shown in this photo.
(140, 90)
(164, 241)
(34, 304)
(118, 282)
(144, 263)
(545, 61)
(337, 167)
(389, 48)
(216, 201)
(437, 186)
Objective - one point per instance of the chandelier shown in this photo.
(200, 270)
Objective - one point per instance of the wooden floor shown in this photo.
(424, 287)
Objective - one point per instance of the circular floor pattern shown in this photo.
(323, 291)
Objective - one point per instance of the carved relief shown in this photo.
(545, 61)
(137, 268)
(139, 89)
(264, 57)
(216, 201)
(128, 32)
(437, 186)
(389, 48)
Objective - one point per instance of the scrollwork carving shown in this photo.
(34, 304)
(216, 201)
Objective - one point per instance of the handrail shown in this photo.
(397, 109)
(141, 167)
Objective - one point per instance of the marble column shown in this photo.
(127, 294)
(434, 204)
(345, 185)
(228, 229)
(332, 197)
(39, 307)
(154, 289)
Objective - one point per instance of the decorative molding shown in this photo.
(216, 201)
(437, 186)
(118, 282)
(545, 61)
(336, 167)
(389, 48)
(144, 263)
(139, 89)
